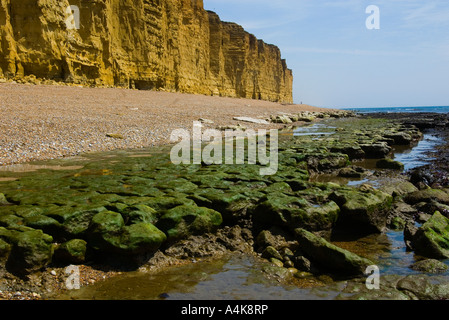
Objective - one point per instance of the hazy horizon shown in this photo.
(338, 62)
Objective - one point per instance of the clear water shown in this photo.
(244, 278)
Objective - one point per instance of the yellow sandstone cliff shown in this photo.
(173, 45)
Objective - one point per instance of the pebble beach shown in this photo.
(42, 122)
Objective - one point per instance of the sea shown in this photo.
(428, 109)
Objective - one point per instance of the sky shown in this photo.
(338, 62)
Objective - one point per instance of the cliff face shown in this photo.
(173, 45)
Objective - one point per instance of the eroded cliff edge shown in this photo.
(173, 45)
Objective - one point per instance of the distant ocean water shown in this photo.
(439, 109)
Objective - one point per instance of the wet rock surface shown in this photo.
(148, 212)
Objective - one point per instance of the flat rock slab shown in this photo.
(252, 120)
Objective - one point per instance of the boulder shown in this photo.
(364, 209)
(325, 162)
(5, 249)
(278, 209)
(185, 220)
(108, 233)
(378, 150)
(399, 138)
(30, 251)
(139, 213)
(141, 238)
(427, 195)
(232, 205)
(104, 229)
(388, 163)
(46, 224)
(354, 151)
(71, 252)
(430, 266)
(76, 223)
(431, 240)
(329, 256)
(3, 200)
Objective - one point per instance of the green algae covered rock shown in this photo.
(365, 209)
(232, 204)
(388, 163)
(185, 220)
(107, 233)
(141, 238)
(46, 224)
(76, 223)
(329, 256)
(427, 195)
(104, 229)
(30, 251)
(430, 266)
(3, 200)
(5, 249)
(139, 213)
(278, 209)
(432, 238)
(72, 251)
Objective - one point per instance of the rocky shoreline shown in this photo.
(126, 212)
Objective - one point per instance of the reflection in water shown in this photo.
(241, 277)
(238, 277)
(315, 129)
(412, 158)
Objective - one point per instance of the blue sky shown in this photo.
(337, 62)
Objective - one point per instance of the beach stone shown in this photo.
(167, 202)
(31, 249)
(3, 200)
(5, 249)
(232, 204)
(278, 209)
(271, 252)
(274, 238)
(46, 224)
(423, 287)
(251, 120)
(10, 220)
(329, 256)
(323, 162)
(430, 266)
(431, 240)
(390, 164)
(76, 223)
(108, 233)
(362, 210)
(284, 119)
(139, 213)
(399, 189)
(104, 229)
(378, 150)
(427, 195)
(115, 136)
(399, 138)
(354, 151)
(397, 223)
(431, 207)
(185, 220)
(140, 238)
(349, 172)
(302, 263)
(71, 252)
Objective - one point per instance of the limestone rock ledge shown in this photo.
(172, 45)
